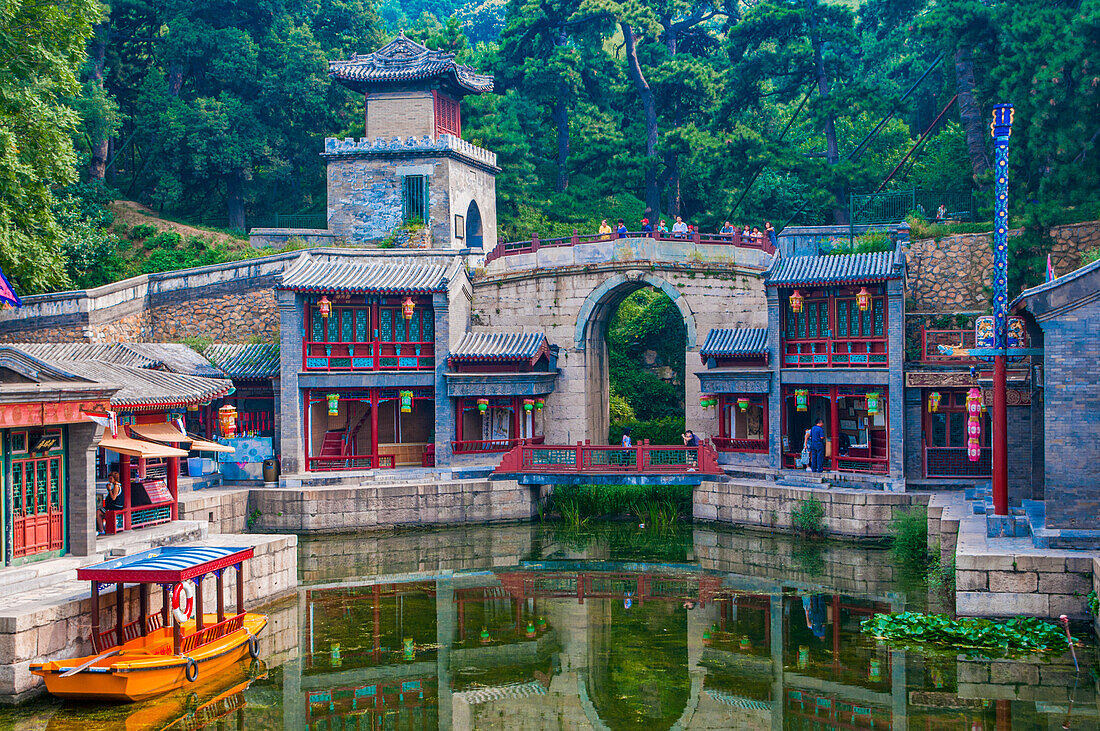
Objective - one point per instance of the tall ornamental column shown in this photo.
(1002, 130)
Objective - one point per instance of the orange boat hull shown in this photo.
(145, 666)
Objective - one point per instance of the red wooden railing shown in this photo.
(587, 458)
(729, 444)
(367, 356)
(508, 248)
(352, 462)
(109, 638)
(831, 353)
(488, 446)
(212, 632)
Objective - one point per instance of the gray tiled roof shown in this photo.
(107, 352)
(245, 362)
(791, 271)
(403, 60)
(147, 388)
(316, 275)
(177, 358)
(500, 346)
(735, 342)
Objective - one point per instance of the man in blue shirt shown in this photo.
(817, 446)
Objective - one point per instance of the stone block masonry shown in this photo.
(858, 514)
(341, 509)
(55, 622)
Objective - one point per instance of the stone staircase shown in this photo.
(1013, 525)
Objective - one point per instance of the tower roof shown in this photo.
(404, 62)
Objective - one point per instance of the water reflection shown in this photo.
(524, 627)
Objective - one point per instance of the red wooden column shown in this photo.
(834, 425)
(95, 617)
(459, 414)
(375, 396)
(1000, 437)
(173, 483)
(240, 588)
(221, 596)
(120, 614)
(198, 602)
(124, 479)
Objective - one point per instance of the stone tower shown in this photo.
(413, 167)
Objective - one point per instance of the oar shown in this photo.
(91, 662)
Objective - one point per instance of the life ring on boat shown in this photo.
(253, 646)
(183, 601)
(191, 670)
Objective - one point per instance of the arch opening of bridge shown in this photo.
(590, 338)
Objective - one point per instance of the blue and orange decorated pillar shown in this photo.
(1002, 130)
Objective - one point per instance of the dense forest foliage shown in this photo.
(744, 110)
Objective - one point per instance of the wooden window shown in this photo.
(448, 119)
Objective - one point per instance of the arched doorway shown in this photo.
(590, 336)
(474, 234)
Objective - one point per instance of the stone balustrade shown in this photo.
(421, 145)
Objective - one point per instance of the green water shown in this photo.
(527, 627)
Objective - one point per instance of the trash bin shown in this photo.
(194, 466)
(271, 469)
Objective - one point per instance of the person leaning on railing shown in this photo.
(679, 229)
(605, 230)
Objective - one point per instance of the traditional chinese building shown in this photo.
(412, 170)
(833, 349)
(1063, 318)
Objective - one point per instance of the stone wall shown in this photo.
(231, 301)
(55, 623)
(1003, 584)
(278, 238)
(572, 305)
(955, 273)
(334, 509)
(225, 510)
(852, 513)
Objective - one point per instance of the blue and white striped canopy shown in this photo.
(168, 564)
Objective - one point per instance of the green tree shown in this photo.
(41, 48)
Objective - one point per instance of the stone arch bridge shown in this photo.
(569, 292)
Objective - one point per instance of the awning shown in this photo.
(138, 448)
(201, 445)
(169, 564)
(163, 432)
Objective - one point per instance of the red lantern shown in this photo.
(863, 298)
(324, 306)
(796, 301)
(407, 308)
(227, 421)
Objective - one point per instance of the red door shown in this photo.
(37, 506)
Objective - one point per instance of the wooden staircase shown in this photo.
(333, 446)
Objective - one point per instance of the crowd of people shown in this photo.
(682, 230)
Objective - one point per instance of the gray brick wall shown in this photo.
(1072, 417)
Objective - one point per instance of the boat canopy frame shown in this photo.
(167, 567)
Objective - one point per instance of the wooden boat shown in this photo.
(163, 651)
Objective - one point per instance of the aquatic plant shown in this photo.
(1092, 603)
(661, 504)
(808, 517)
(909, 536)
(1019, 634)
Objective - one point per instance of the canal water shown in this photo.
(613, 627)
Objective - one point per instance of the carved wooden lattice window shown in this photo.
(448, 120)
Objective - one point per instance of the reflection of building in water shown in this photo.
(607, 644)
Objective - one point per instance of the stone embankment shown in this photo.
(54, 622)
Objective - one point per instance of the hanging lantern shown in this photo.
(746, 643)
(409, 648)
(872, 402)
(539, 403)
(485, 639)
(192, 407)
(743, 403)
(801, 399)
(704, 401)
(863, 298)
(227, 421)
(974, 424)
(796, 301)
(934, 402)
(324, 306)
(528, 405)
(333, 404)
(530, 629)
(874, 671)
(483, 405)
(542, 623)
(407, 307)
(406, 402)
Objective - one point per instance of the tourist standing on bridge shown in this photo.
(605, 230)
(817, 446)
(769, 229)
(622, 229)
(728, 231)
(662, 228)
(647, 227)
(626, 438)
(679, 229)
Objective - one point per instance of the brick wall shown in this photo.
(400, 114)
(1071, 344)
